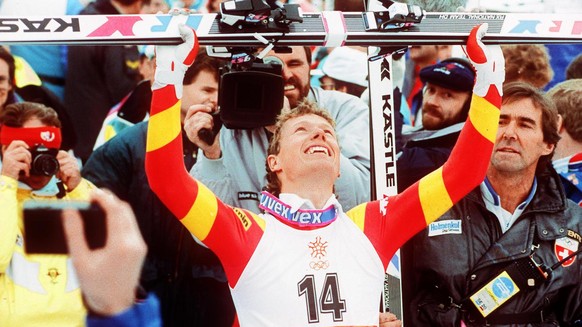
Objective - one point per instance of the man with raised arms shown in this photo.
(304, 261)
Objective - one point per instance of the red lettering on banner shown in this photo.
(557, 26)
(123, 24)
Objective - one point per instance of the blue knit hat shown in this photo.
(453, 73)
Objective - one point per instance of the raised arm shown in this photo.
(165, 168)
(466, 167)
(231, 233)
(426, 200)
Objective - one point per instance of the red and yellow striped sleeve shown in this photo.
(390, 222)
(231, 233)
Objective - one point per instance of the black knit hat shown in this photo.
(453, 73)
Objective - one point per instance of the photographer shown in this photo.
(36, 289)
(233, 165)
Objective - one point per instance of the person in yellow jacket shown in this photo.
(35, 290)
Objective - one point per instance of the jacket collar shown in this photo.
(549, 199)
(49, 190)
(493, 203)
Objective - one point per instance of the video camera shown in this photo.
(250, 94)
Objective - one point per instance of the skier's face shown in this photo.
(295, 74)
(308, 147)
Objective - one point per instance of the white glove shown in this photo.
(488, 62)
(173, 61)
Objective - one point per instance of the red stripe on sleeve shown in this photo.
(165, 167)
(466, 167)
(232, 242)
(163, 99)
(388, 233)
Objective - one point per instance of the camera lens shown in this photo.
(45, 164)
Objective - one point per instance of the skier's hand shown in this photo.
(173, 61)
(489, 65)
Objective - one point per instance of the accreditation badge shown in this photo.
(522, 273)
(494, 294)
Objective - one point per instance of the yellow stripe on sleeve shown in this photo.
(260, 221)
(433, 195)
(358, 215)
(202, 215)
(168, 127)
(484, 116)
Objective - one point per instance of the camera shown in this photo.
(44, 161)
(250, 94)
(43, 226)
(208, 135)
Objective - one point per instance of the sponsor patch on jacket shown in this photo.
(248, 196)
(563, 248)
(443, 227)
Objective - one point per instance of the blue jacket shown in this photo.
(144, 314)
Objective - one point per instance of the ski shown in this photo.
(383, 159)
(331, 28)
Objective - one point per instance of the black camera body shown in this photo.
(44, 161)
(250, 94)
(208, 135)
(44, 231)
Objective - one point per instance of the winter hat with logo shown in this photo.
(453, 73)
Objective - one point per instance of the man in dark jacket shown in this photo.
(445, 104)
(187, 277)
(98, 77)
(500, 256)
